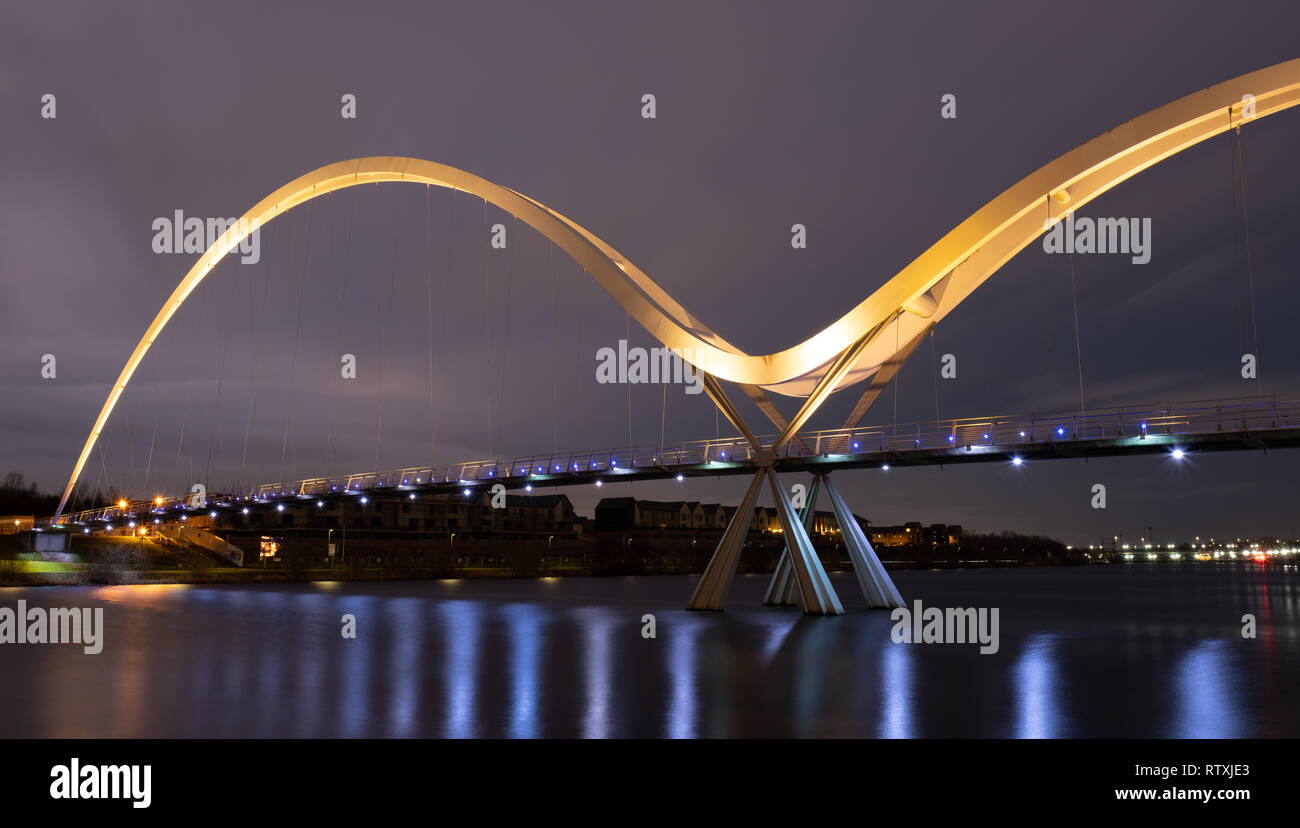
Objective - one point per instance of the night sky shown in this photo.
(768, 114)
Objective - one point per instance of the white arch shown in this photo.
(918, 296)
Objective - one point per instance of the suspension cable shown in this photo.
(330, 258)
(663, 415)
(185, 421)
(293, 357)
(385, 329)
(934, 370)
(1250, 270)
(487, 327)
(338, 324)
(293, 360)
(254, 351)
(103, 477)
(1051, 367)
(130, 449)
(555, 389)
(898, 372)
(1078, 351)
(288, 248)
(221, 376)
(428, 268)
(157, 403)
(1236, 240)
(627, 321)
(442, 325)
(505, 334)
(578, 360)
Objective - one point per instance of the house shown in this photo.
(13, 524)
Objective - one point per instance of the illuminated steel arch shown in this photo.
(863, 341)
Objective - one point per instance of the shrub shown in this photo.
(12, 571)
(117, 564)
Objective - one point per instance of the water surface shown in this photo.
(1138, 650)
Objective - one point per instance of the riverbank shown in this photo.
(52, 573)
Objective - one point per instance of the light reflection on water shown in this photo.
(598, 669)
(896, 690)
(462, 621)
(1205, 708)
(1036, 690)
(1159, 653)
(526, 627)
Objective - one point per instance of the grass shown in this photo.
(51, 566)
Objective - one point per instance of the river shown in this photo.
(1103, 651)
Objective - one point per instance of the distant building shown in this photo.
(13, 524)
(616, 514)
(914, 534)
(534, 514)
(442, 514)
(767, 519)
(622, 514)
(715, 516)
(619, 514)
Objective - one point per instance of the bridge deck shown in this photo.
(1255, 423)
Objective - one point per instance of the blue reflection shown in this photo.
(309, 658)
(598, 666)
(525, 644)
(355, 665)
(1205, 706)
(462, 624)
(896, 692)
(813, 639)
(683, 704)
(406, 631)
(236, 609)
(1037, 707)
(268, 605)
(778, 629)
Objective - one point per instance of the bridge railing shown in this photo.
(1193, 417)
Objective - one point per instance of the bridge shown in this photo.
(1174, 429)
(868, 345)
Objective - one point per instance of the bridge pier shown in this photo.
(711, 591)
(812, 587)
(780, 592)
(877, 587)
(873, 579)
(808, 579)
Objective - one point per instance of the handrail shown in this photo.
(1191, 417)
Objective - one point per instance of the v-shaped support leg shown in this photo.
(812, 587)
(711, 591)
(877, 587)
(780, 592)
